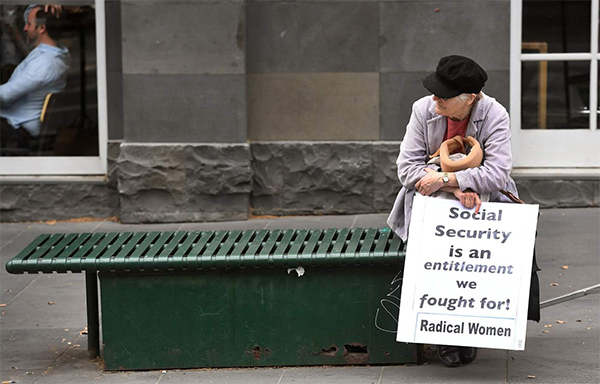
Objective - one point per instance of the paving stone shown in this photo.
(225, 376)
(9, 231)
(64, 375)
(225, 225)
(313, 37)
(488, 368)
(20, 376)
(12, 285)
(375, 220)
(33, 350)
(312, 222)
(32, 311)
(546, 356)
(367, 375)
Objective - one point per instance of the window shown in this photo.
(53, 89)
(554, 83)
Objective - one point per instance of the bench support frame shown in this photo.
(93, 319)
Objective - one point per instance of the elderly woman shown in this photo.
(457, 107)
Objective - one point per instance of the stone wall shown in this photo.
(183, 65)
(167, 183)
(217, 182)
(330, 177)
(350, 70)
(63, 198)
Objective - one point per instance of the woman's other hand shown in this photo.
(430, 182)
(468, 199)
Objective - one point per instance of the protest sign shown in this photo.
(466, 275)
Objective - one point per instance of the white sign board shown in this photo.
(467, 276)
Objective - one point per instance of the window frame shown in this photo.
(73, 165)
(540, 148)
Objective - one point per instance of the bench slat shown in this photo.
(33, 262)
(16, 264)
(207, 250)
(264, 256)
(353, 245)
(295, 247)
(178, 258)
(60, 262)
(238, 252)
(335, 258)
(164, 259)
(313, 241)
(278, 257)
(119, 263)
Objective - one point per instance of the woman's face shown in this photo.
(452, 107)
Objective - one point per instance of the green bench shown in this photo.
(234, 298)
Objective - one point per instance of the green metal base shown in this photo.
(252, 317)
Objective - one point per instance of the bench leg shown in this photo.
(91, 289)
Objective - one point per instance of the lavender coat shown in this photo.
(488, 123)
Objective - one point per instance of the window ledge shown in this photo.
(53, 180)
(556, 173)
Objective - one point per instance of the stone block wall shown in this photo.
(219, 109)
(184, 71)
(218, 182)
(350, 70)
(328, 178)
(63, 199)
(169, 183)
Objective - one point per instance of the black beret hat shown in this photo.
(455, 75)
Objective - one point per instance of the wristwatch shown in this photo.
(445, 178)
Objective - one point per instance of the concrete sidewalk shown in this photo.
(41, 342)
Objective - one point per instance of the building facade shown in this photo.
(218, 110)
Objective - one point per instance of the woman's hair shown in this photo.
(466, 96)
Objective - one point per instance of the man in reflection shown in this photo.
(42, 72)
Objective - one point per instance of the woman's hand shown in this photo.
(430, 182)
(468, 199)
(55, 10)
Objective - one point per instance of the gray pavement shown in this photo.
(41, 342)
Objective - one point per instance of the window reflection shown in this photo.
(555, 94)
(48, 99)
(564, 25)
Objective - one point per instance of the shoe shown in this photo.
(449, 355)
(467, 354)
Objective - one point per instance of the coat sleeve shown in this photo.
(493, 174)
(413, 150)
